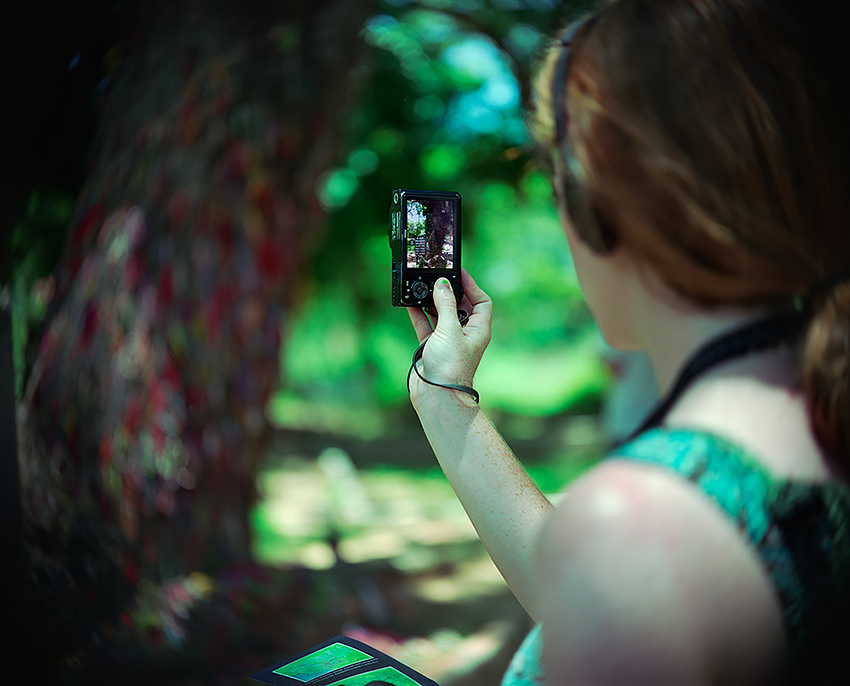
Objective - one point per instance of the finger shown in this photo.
(465, 305)
(446, 304)
(482, 305)
(471, 290)
(421, 324)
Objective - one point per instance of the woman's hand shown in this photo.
(453, 352)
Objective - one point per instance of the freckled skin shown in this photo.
(505, 507)
(636, 575)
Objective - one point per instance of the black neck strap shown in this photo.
(761, 335)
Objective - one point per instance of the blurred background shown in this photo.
(218, 463)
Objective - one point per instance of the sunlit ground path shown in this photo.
(382, 514)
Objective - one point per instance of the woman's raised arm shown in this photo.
(505, 507)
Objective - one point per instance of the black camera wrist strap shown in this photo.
(453, 386)
(463, 316)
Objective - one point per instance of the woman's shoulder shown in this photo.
(761, 412)
(642, 574)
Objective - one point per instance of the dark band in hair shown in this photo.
(590, 225)
(562, 69)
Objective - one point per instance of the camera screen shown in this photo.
(430, 233)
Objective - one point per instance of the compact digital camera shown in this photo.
(424, 232)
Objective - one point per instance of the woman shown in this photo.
(703, 205)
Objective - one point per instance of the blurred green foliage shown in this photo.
(444, 111)
(36, 241)
(301, 508)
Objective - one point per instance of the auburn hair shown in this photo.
(707, 149)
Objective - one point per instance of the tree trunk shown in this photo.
(143, 424)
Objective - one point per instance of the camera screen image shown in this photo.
(430, 233)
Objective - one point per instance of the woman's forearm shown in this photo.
(506, 508)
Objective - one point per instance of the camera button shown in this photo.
(420, 290)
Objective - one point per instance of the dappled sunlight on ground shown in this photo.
(415, 522)
(364, 512)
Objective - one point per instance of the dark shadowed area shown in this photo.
(217, 462)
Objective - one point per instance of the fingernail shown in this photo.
(444, 284)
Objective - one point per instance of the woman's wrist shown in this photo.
(433, 401)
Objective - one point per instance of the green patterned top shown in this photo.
(801, 532)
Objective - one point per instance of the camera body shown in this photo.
(424, 231)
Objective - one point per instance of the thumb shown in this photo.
(444, 301)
